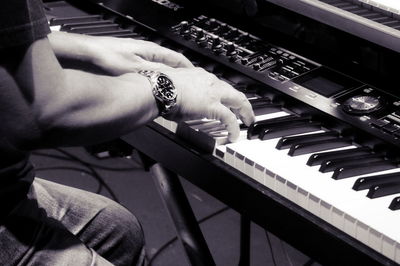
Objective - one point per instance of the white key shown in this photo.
(170, 125)
(387, 5)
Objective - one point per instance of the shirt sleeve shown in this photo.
(22, 22)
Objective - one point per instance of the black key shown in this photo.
(61, 21)
(93, 29)
(111, 33)
(332, 164)
(267, 108)
(384, 190)
(318, 145)
(68, 26)
(395, 204)
(129, 35)
(318, 158)
(256, 128)
(361, 12)
(260, 101)
(366, 168)
(292, 128)
(370, 181)
(371, 15)
(286, 142)
(264, 103)
(351, 8)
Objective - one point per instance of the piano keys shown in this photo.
(326, 194)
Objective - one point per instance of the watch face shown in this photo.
(166, 88)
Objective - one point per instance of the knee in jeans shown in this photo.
(124, 223)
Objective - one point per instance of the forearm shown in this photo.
(94, 108)
(72, 107)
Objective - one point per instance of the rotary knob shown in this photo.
(215, 41)
(199, 33)
(183, 26)
(363, 104)
(230, 48)
(201, 38)
(213, 24)
(217, 49)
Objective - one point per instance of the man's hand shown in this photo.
(119, 56)
(116, 56)
(203, 95)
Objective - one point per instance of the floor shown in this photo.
(124, 180)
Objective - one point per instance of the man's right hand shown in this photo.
(202, 95)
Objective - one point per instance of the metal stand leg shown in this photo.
(178, 206)
(245, 224)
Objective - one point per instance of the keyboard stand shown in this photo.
(188, 231)
(178, 206)
(245, 225)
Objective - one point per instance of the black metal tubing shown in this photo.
(178, 206)
(245, 227)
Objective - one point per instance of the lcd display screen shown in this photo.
(327, 82)
(323, 86)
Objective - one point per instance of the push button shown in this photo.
(391, 128)
(379, 123)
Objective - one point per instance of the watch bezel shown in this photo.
(164, 102)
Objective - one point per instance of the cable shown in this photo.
(172, 240)
(83, 161)
(106, 186)
(72, 169)
(90, 166)
(270, 248)
(161, 249)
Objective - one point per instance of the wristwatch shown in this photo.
(163, 89)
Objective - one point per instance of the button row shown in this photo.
(242, 48)
(387, 125)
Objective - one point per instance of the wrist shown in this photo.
(164, 91)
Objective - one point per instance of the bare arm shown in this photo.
(71, 107)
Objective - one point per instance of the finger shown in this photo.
(171, 58)
(227, 118)
(141, 64)
(238, 101)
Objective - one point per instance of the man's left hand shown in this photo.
(116, 56)
(119, 56)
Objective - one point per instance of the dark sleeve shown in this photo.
(22, 22)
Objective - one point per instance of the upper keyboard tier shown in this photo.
(377, 21)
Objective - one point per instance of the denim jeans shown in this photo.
(60, 225)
